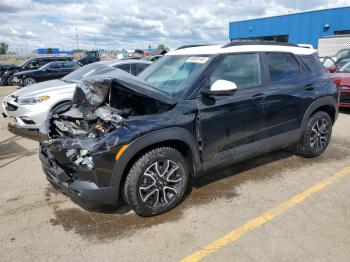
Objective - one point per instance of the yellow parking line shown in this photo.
(264, 218)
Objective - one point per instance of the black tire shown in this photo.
(316, 137)
(145, 177)
(9, 81)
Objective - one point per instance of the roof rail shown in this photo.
(188, 46)
(258, 43)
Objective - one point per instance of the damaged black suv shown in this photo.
(194, 110)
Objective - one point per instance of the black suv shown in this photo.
(195, 110)
(30, 64)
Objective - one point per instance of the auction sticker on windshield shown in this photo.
(197, 59)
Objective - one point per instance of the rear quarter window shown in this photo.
(313, 64)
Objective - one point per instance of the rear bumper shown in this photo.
(81, 190)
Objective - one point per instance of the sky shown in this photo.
(115, 24)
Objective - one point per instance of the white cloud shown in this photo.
(133, 23)
(44, 22)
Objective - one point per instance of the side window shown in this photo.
(55, 66)
(282, 66)
(314, 64)
(69, 65)
(242, 69)
(125, 67)
(33, 64)
(139, 68)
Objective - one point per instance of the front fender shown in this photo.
(175, 133)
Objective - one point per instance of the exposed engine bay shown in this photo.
(90, 125)
(100, 108)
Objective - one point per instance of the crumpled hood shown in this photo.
(92, 91)
(44, 88)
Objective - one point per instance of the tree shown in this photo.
(161, 46)
(49, 51)
(3, 48)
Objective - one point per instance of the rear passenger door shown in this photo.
(281, 99)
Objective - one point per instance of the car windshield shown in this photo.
(146, 58)
(345, 68)
(342, 54)
(24, 62)
(45, 66)
(84, 71)
(173, 74)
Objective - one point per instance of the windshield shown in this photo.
(173, 74)
(24, 62)
(345, 68)
(84, 71)
(342, 54)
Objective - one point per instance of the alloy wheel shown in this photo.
(320, 134)
(29, 81)
(160, 183)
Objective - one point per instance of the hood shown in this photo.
(94, 90)
(44, 87)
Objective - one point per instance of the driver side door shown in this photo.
(231, 123)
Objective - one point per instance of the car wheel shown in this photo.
(10, 81)
(316, 136)
(29, 81)
(156, 182)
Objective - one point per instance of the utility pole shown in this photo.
(77, 37)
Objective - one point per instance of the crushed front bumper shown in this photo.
(81, 190)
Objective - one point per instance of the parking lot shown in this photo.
(278, 207)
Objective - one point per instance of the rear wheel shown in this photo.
(156, 182)
(29, 81)
(316, 136)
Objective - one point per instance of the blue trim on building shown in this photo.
(55, 51)
(301, 28)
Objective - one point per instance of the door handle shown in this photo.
(258, 97)
(309, 87)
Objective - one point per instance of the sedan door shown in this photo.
(230, 122)
(53, 71)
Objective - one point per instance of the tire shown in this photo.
(10, 81)
(28, 81)
(156, 182)
(316, 137)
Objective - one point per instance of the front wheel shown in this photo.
(316, 136)
(156, 182)
(29, 81)
(10, 81)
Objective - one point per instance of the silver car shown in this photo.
(30, 105)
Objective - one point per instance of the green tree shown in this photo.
(3, 48)
(161, 46)
(49, 51)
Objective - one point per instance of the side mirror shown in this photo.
(330, 64)
(332, 69)
(220, 88)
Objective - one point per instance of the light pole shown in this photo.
(77, 37)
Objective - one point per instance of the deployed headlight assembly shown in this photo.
(344, 87)
(32, 100)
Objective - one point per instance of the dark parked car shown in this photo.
(88, 58)
(53, 70)
(195, 110)
(30, 64)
